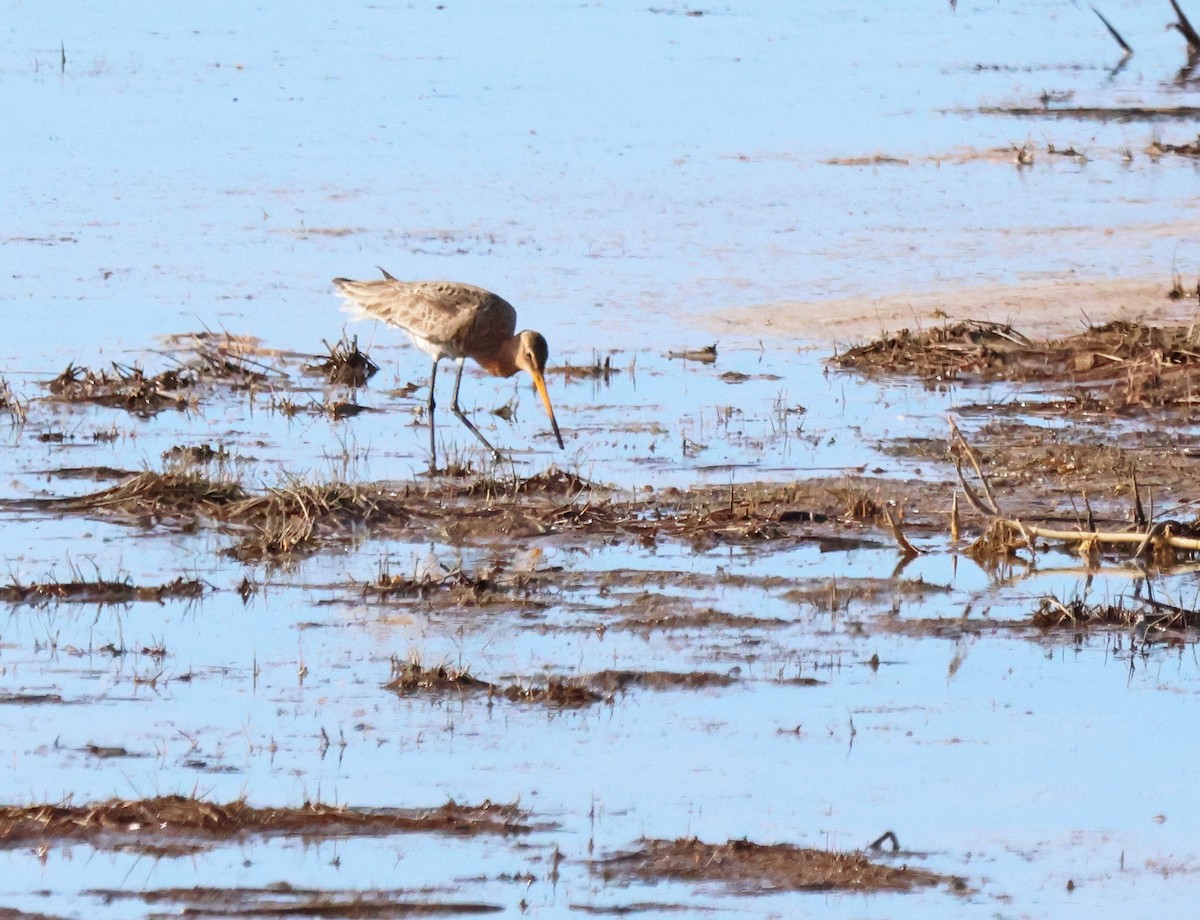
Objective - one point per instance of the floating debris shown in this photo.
(705, 355)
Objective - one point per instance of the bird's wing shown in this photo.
(440, 312)
(457, 314)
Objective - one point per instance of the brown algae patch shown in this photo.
(173, 819)
(752, 868)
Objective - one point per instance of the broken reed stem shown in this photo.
(905, 546)
(957, 437)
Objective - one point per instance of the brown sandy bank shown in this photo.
(1049, 307)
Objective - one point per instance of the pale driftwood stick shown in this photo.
(1142, 539)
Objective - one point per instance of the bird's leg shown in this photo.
(432, 403)
(466, 421)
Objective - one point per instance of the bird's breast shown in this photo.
(435, 350)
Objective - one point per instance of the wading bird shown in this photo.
(446, 319)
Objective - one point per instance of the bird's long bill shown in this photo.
(540, 382)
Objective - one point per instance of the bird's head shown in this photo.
(532, 355)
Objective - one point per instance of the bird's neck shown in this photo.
(503, 363)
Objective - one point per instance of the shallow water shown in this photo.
(621, 173)
(585, 161)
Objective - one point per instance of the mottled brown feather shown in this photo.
(444, 317)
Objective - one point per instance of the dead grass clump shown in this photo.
(1052, 613)
(297, 517)
(751, 867)
(125, 387)
(301, 517)
(345, 365)
(227, 360)
(554, 482)
(454, 586)
(150, 496)
(1155, 617)
(121, 823)
(942, 353)
(1118, 366)
(411, 676)
(213, 359)
(282, 521)
(858, 504)
(551, 482)
(559, 692)
(99, 591)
